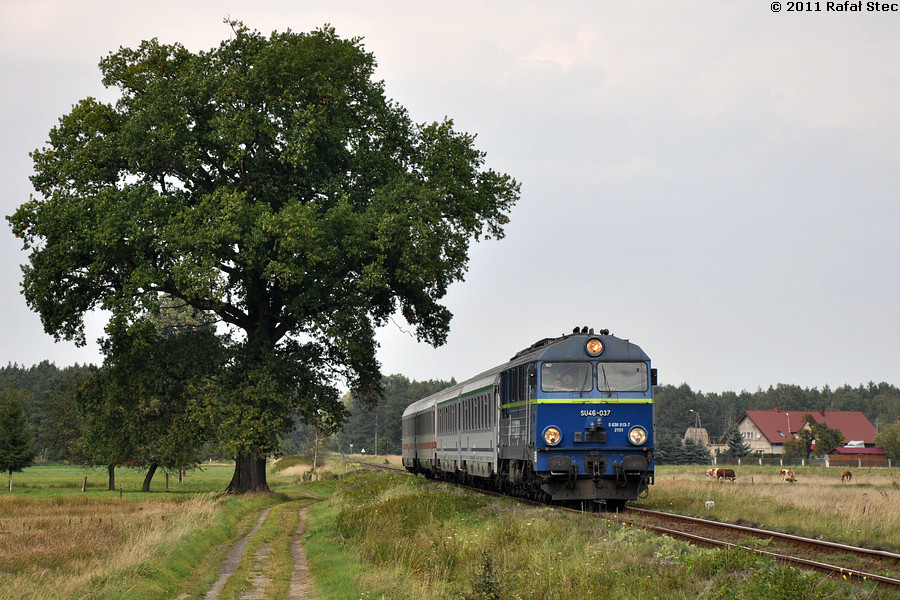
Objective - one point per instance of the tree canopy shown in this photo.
(15, 435)
(889, 439)
(271, 182)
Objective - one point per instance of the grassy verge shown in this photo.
(383, 535)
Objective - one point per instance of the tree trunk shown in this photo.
(10, 480)
(249, 476)
(149, 477)
(111, 469)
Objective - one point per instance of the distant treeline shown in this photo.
(880, 403)
(49, 399)
(717, 412)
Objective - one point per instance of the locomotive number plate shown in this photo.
(596, 413)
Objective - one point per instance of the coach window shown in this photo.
(566, 377)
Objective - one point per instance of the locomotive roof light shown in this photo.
(552, 435)
(637, 435)
(593, 347)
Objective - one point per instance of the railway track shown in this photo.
(851, 563)
(835, 560)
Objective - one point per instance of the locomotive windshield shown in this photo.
(579, 377)
(566, 377)
(622, 377)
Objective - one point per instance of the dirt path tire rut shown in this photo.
(300, 588)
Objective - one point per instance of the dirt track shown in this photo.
(299, 588)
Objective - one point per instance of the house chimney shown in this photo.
(822, 411)
(776, 409)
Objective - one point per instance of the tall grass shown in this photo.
(65, 549)
(426, 541)
(59, 543)
(863, 513)
(388, 536)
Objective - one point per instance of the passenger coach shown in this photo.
(566, 419)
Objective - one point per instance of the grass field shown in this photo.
(865, 512)
(396, 537)
(59, 542)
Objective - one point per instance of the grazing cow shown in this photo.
(725, 474)
(846, 477)
(788, 475)
(711, 472)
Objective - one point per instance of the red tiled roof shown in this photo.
(779, 426)
(847, 451)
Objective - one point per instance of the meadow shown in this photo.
(377, 535)
(57, 542)
(864, 513)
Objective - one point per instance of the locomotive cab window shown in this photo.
(566, 377)
(622, 377)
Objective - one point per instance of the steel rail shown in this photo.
(768, 533)
(832, 570)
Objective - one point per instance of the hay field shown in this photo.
(865, 512)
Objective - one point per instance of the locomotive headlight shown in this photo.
(593, 347)
(637, 435)
(552, 436)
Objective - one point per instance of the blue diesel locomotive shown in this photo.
(567, 419)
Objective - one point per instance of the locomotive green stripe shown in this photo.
(580, 401)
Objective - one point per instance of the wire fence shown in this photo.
(826, 461)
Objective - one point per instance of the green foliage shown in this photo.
(272, 183)
(719, 411)
(15, 434)
(889, 438)
(164, 376)
(827, 439)
(366, 422)
(815, 438)
(737, 447)
(62, 430)
(486, 583)
(671, 450)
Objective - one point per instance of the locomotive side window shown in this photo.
(622, 377)
(566, 377)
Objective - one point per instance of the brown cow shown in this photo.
(846, 477)
(788, 475)
(725, 474)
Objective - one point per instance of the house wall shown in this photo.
(758, 443)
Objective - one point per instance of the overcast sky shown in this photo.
(713, 180)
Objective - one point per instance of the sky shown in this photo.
(713, 180)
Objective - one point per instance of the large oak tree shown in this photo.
(271, 182)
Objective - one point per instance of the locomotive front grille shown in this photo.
(598, 436)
